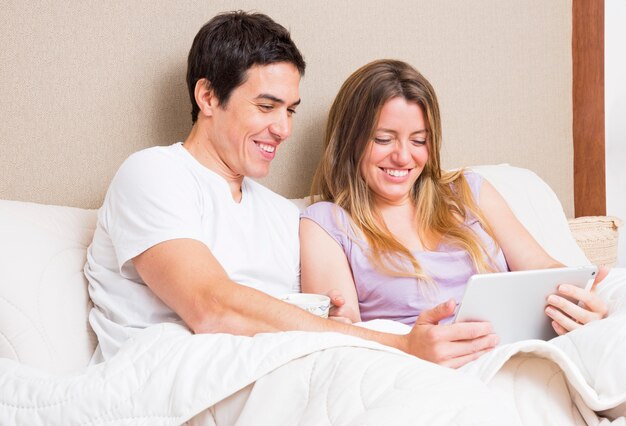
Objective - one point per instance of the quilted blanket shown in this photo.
(167, 376)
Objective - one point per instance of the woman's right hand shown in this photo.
(451, 345)
(338, 309)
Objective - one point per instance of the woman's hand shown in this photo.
(325, 270)
(452, 345)
(579, 308)
(338, 310)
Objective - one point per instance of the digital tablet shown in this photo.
(514, 302)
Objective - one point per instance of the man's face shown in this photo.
(257, 118)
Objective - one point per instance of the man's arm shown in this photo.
(187, 277)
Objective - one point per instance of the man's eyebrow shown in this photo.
(275, 99)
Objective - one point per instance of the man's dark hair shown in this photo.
(229, 44)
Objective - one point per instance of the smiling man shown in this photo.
(184, 234)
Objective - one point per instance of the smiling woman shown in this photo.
(384, 129)
(399, 237)
(394, 161)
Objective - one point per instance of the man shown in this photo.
(184, 235)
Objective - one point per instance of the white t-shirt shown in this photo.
(164, 193)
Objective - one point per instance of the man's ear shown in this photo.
(205, 97)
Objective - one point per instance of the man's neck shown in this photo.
(198, 144)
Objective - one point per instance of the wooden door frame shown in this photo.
(588, 107)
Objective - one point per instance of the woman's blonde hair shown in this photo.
(442, 199)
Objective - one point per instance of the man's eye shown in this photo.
(291, 111)
(265, 107)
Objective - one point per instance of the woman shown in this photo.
(393, 233)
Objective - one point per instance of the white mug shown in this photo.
(317, 304)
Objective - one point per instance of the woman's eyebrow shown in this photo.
(382, 129)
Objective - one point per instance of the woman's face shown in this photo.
(398, 152)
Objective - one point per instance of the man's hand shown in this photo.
(587, 305)
(452, 345)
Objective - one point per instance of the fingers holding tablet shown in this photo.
(572, 306)
(451, 345)
(558, 328)
(561, 322)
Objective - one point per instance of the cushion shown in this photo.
(43, 293)
(598, 237)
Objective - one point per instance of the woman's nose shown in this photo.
(401, 153)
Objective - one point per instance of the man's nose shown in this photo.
(281, 127)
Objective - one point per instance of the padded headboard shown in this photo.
(84, 84)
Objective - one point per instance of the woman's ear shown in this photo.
(205, 97)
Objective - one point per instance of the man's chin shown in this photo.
(258, 172)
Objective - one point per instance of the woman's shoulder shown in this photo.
(323, 210)
(330, 217)
(472, 176)
(474, 181)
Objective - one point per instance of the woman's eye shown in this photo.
(382, 141)
(419, 142)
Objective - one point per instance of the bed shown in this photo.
(83, 86)
(167, 376)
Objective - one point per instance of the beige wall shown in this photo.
(84, 84)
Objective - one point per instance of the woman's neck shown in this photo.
(402, 222)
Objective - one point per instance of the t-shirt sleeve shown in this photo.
(332, 219)
(151, 199)
(475, 181)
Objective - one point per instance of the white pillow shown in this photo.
(43, 292)
(301, 203)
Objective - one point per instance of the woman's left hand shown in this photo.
(568, 315)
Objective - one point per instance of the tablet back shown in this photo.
(514, 302)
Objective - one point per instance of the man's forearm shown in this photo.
(245, 311)
(185, 275)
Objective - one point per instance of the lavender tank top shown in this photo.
(400, 299)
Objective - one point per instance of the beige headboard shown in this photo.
(84, 84)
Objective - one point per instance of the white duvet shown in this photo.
(166, 376)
